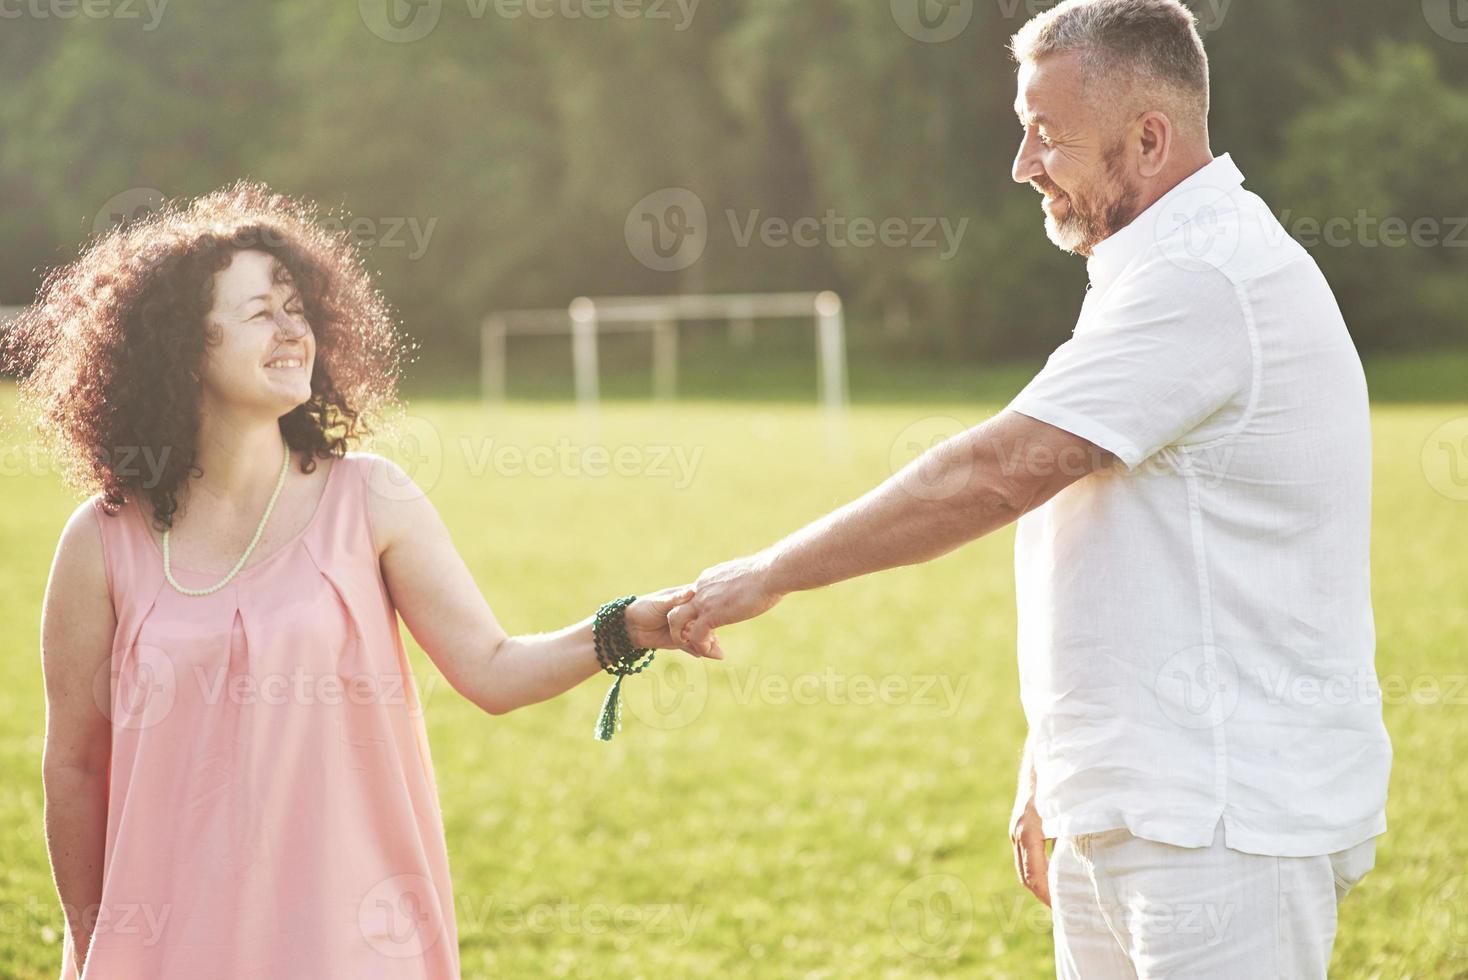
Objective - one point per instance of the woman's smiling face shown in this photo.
(263, 350)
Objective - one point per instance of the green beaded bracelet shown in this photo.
(618, 657)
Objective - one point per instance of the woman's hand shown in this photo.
(647, 623)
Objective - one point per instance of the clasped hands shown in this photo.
(685, 617)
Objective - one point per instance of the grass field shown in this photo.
(832, 801)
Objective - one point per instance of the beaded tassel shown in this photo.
(609, 722)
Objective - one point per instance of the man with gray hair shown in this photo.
(1191, 476)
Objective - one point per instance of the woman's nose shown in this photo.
(291, 327)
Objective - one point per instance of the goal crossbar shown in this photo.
(586, 318)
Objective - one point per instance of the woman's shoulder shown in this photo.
(81, 555)
(393, 500)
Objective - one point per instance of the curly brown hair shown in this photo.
(110, 355)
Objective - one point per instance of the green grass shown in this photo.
(752, 820)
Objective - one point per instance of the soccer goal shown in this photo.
(587, 318)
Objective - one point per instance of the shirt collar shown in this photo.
(1110, 257)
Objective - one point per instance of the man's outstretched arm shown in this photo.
(968, 486)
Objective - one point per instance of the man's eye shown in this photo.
(1045, 140)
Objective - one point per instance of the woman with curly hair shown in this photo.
(237, 775)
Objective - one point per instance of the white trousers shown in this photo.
(1129, 908)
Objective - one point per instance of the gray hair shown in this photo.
(1147, 46)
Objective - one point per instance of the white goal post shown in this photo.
(587, 318)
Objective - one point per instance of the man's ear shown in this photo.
(1154, 135)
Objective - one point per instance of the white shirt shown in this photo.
(1195, 630)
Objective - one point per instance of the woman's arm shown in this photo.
(77, 628)
(447, 614)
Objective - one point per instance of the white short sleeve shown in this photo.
(1161, 352)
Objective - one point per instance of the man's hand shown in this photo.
(728, 593)
(1031, 860)
(647, 623)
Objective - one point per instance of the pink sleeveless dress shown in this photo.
(272, 809)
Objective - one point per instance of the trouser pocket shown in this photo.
(1351, 865)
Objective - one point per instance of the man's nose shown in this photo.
(1026, 163)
